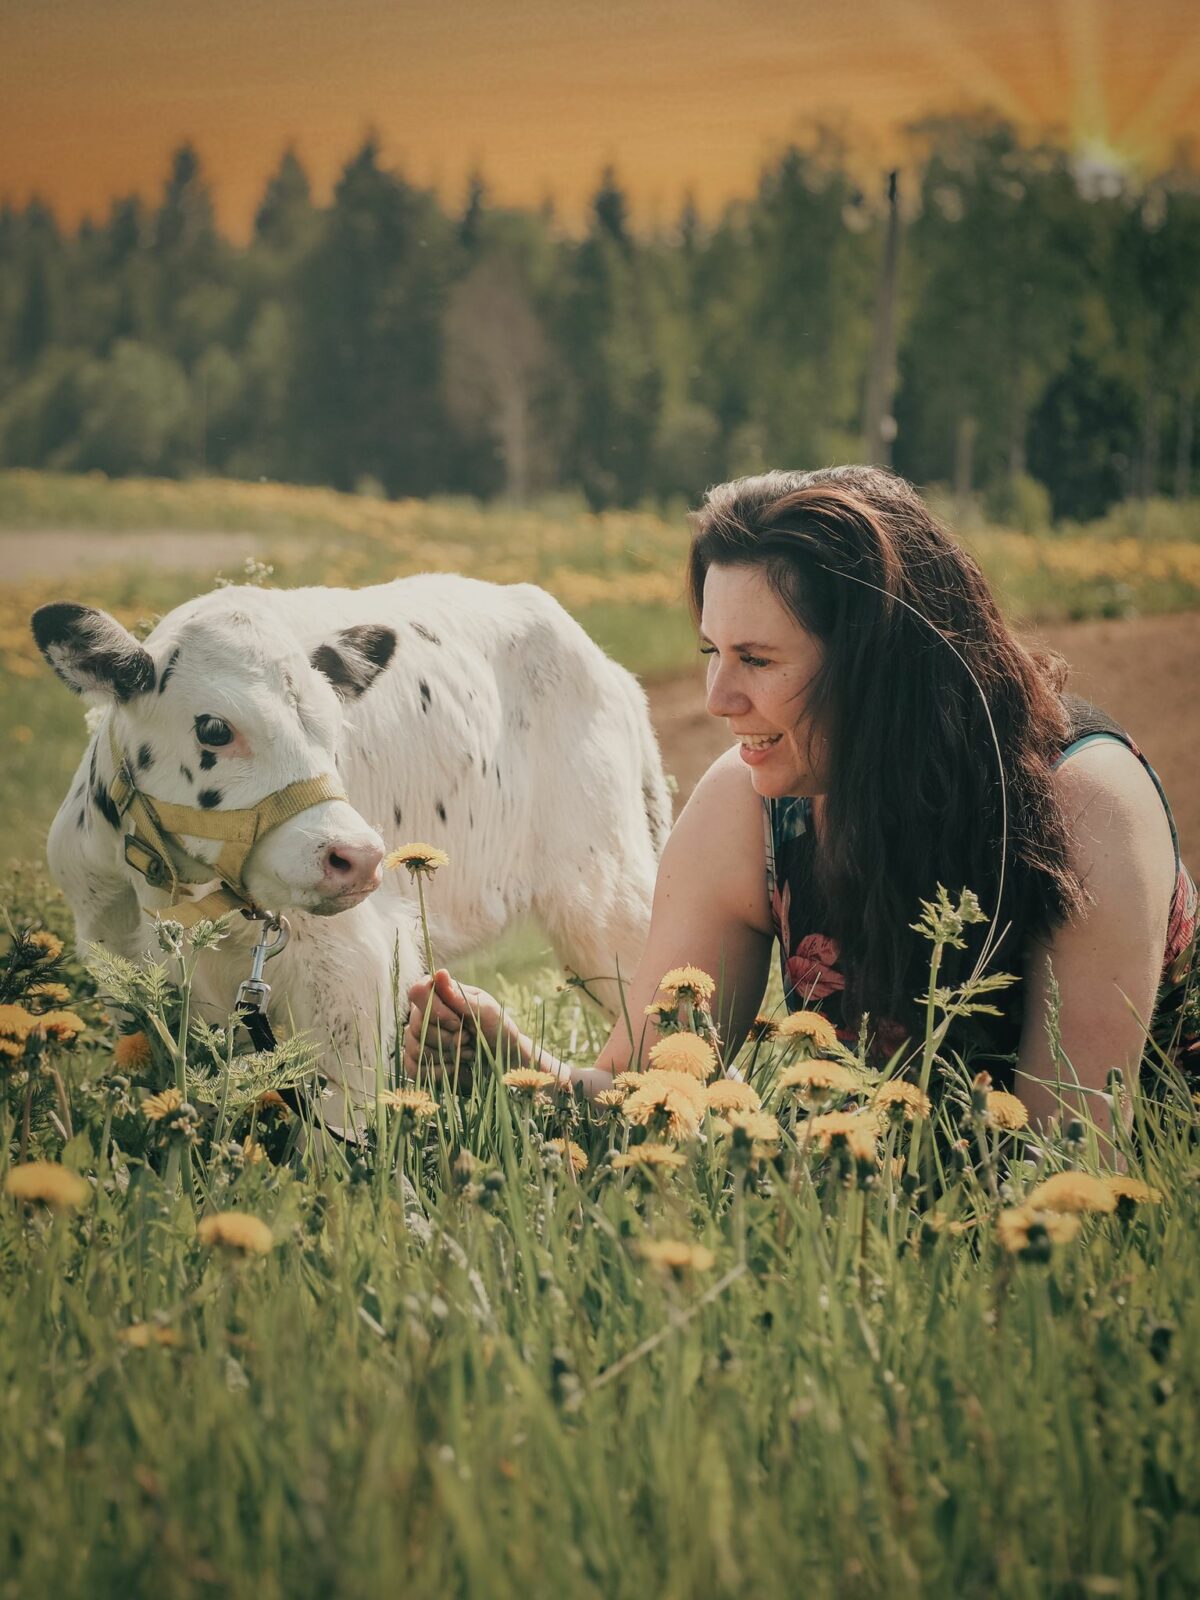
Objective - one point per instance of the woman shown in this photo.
(890, 734)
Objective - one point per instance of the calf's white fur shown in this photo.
(478, 718)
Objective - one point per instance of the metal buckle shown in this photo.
(254, 993)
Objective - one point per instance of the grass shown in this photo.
(459, 1370)
(467, 1374)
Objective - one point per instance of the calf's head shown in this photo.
(219, 710)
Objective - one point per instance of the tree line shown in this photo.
(1004, 324)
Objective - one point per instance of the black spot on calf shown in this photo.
(426, 697)
(209, 799)
(396, 814)
(355, 657)
(168, 669)
(426, 633)
(208, 760)
(105, 806)
(145, 758)
(441, 810)
(187, 773)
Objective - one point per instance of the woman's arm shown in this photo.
(710, 911)
(1107, 961)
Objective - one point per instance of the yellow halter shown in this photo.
(152, 847)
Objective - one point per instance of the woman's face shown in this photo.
(761, 662)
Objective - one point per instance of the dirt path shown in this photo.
(1144, 672)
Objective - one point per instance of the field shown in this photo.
(501, 1350)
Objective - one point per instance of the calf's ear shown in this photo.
(91, 652)
(354, 658)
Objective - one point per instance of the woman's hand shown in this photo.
(459, 1016)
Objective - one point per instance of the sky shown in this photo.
(678, 95)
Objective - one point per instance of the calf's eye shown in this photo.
(213, 731)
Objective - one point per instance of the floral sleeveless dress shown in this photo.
(809, 958)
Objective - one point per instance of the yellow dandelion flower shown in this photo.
(573, 1154)
(688, 983)
(412, 1104)
(854, 1131)
(157, 1106)
(760, 1127)
(814, 1082)
(55, 993)
(628, 1081)
(529, 1080)
(141, 1335)
(1005, 1111)
(48, 1182)
(1071, 1191)
(727, 1094)
(252, 1152)
(665, 1106)
(235, 1231)
(61, 1025)
(676, 1256)
(810, 1025)
(683, 1081)
(899, 1098)
(132, 1051)
(1131, 1191)
(1025, 1231)
(11, 1049)
(761, 1028)
(611, 1099)
(684, 1052)
(16, 1022)
(649, 1155)
(271, 1103)
(417, 858)
(48, 945)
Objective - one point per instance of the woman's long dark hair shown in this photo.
(914, 796)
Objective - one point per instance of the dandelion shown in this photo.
(627, 1082)
(900, 1099)
(132, 1052)
(412, 1105)
(61, 1025)
(811, 1026)
(730, 1095)
(422, 859)
(47, 945)
(272, 1103)
(568, 1151)
(667, 1107)
(1004, 1111)
(762, 1028)
(755, 1127)
(815, 1082)
(1024, 1231)
(529, 1080)
(676, 1256)
(688, 983)
(649, 1156)
(48, 1182)
(1071, 1191)
(235, 1231)
(253, 1152)
(141, 1335)
(11, 1049)
(1130, 1193)
(684, 1052)
(16, 1022)
(612, 1099)
(56, 994)
(157, 1106)
(853, 1131)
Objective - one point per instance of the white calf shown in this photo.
(477, 718)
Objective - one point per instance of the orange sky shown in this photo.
(94, 94)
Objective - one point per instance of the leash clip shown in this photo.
(253, 993)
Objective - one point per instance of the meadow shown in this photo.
(819, 1332)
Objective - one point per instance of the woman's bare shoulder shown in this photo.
(720, 829)
(1115, 813)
